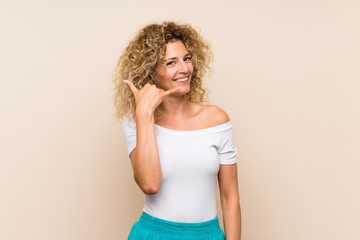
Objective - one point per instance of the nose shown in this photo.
(184, 67)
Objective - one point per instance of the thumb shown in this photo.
(131, 86)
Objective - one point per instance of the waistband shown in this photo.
(179, 230)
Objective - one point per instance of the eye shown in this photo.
(170, 63)
(187, 58)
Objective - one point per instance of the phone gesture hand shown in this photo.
(149, 97)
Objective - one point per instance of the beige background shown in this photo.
(287, 73)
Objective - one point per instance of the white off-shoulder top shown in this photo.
(190, 162)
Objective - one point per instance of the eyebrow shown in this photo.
(174, 58)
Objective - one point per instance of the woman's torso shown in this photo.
(190, 157)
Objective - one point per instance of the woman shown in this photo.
(178, 147)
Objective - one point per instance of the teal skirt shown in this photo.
(151, 228)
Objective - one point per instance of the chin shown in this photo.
(184, 90)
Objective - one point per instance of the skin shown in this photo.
(178, 113)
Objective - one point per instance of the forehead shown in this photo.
(175, 48)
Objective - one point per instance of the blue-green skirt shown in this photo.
(152, 228)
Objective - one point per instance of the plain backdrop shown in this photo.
(286, 72)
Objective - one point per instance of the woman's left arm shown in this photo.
(229, 197)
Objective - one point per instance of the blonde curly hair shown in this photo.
(140, 58)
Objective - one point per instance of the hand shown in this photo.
(149, 97)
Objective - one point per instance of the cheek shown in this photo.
(163, 78)
(164, 73)
(160, 76)
(169, 74)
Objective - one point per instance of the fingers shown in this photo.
(131, 86)
(172, 91)
(164, 94)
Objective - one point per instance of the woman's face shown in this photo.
(177, 70)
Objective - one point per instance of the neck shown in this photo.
(175, 107)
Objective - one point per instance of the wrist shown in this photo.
(144, 114)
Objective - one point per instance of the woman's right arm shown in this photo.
(145, 157)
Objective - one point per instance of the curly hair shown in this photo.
(143, 53)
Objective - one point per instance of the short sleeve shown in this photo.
(129, 130)
(227, 150)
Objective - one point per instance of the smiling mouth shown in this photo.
(184, 79)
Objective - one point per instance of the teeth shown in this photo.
(181, 79)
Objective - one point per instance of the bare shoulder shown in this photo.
(216, 116)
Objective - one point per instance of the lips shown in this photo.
(183, 79)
